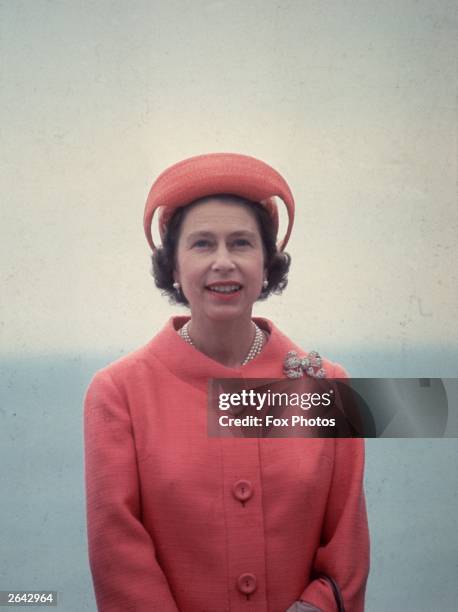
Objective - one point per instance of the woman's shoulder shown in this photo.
(128, 362)
(136, 363)
(118, 372)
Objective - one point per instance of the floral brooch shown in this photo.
(295, 366)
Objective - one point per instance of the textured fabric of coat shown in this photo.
(166, 529)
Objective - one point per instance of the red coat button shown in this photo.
(242, 490)
(246, 583)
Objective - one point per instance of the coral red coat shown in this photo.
(167, 527)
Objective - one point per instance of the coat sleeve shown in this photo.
(125, 571)
(343, 553)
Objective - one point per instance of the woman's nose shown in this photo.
(223, 259)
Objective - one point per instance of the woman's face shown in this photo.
(220, 259)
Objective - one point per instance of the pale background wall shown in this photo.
(355, 103)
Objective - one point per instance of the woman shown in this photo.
(181, 521)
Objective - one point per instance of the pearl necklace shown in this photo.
(254, 351)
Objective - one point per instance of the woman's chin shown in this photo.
(224, 312)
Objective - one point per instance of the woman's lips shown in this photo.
(224, 291)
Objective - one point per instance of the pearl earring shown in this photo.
(176, 286)
(265, 283)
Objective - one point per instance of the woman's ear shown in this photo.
(176, 281)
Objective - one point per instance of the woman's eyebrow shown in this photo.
(199, 234)
(208, 234)
(247, 233)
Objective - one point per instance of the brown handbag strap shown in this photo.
(335, 589)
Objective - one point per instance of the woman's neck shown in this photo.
(227, 342)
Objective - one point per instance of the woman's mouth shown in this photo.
(224, 290)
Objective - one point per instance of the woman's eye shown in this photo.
(241, 242)
(202, 243)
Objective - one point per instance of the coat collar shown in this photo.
(195, 368)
